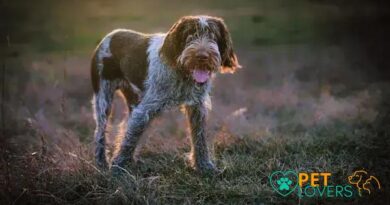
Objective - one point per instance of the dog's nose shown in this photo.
(202, 55)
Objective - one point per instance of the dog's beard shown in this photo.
(200, 70)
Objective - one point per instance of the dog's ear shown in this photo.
(174, 42)
(229, 58)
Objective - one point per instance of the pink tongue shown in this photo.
(200, 76)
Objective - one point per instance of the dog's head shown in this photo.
(371, 184)
(357, 177)
(199, 46)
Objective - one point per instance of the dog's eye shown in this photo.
(213, 37)
(189, 38)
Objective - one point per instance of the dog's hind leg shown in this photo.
(129, 92)
(102, 102)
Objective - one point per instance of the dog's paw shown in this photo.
(208, 168)
(118, 171)
(102, 164)
(203, 167)
(117, 166)
(188, 159)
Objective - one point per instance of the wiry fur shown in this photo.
(154, 74)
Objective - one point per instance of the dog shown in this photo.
(364, 182)
(155, 72)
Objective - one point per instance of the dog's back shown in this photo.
(120, 55)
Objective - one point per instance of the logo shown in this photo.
(284, 183)
(319, 184)
(364, 183)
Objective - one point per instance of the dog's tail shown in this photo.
(94, 74)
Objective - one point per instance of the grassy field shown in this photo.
(163, 178)
(312, 97)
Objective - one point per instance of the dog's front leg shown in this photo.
(139, 120)
(199, 156)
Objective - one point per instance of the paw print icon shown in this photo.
(284, 183)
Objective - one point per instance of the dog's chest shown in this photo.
(189, 92)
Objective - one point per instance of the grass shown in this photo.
(163, 178)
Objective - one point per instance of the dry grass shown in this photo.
(60, 176)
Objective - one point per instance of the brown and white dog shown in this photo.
(159, 71)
